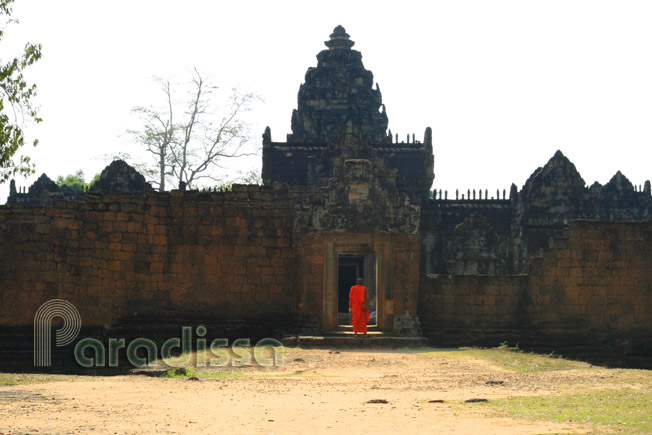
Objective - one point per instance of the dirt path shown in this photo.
(316, 391)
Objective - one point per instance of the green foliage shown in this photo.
(74, 181)
(95, 179)
(183, 372)
(16, 97)
(202, 373)
(505, 346)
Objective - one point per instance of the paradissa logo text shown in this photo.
(91, 352)
(215, 355)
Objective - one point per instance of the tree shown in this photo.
(250, 177)
(15, 104)
(187, 145)
(95, 179)
(157, 136)
(76, 181)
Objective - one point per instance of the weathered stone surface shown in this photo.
(555, 193)
(358, 192)
(595, 189)
(338, 90)
(42, 192)
(116, 256)
(476, 248)
(618, 201)
(119, 177)
(589, 287)
(406, 325)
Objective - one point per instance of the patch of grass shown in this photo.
(624, 410)
(183, 372)
(201, 373)
(512, 359)
(7, 379)
(503, 345)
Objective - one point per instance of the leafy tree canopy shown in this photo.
(74, 181)
(16, 105)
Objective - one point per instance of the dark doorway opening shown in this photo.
(350, 267)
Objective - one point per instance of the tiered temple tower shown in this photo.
(336, 93)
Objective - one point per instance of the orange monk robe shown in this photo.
(359, 317)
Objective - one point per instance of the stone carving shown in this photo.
(41, 193)
(476, 247)
(119, 177)
(407, 326)
(618, 201)
(338, 90)
(595, 188)
(359, 192)
(555, 193)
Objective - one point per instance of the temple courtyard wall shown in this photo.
(222, 258)
(218, 255)
(236, 256)
(592, 287)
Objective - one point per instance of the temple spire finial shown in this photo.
(339, 40)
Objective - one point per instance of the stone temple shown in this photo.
(554, 263)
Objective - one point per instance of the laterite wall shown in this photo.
(592, 286)
(218, 255)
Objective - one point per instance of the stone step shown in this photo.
(348, 329)
(348, 339)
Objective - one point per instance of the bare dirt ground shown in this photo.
(315, 391)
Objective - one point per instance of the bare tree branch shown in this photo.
(190, 147)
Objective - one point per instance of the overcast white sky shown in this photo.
(503, 84)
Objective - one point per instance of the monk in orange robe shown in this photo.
(359, 304)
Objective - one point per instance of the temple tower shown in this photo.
(338, 90)
(339, 95)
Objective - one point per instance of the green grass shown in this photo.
(511, 359)
(184, 372)
(200, 373)
(623, 411)
(7, 379)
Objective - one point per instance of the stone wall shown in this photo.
(210, 256)
(213, 257)
(592, 286)
(553, 195)
(237, 255)
(597, 279)
(473, 305)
